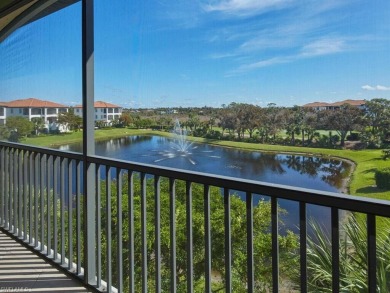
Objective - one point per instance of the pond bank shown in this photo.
(361, 181)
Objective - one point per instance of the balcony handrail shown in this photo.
(46, 150)
(29, 172)
(309, 196)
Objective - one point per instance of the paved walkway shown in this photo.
(23, 271)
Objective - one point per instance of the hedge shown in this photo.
(382, 178)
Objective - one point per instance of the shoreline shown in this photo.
(344, 188)
(359, 182)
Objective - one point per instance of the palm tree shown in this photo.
(39, 122)
(353, 257)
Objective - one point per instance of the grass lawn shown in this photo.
(75, 137)
(362, 181)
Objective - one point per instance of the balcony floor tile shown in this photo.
(23, 271)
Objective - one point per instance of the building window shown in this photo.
(36, 111)
(51, 111)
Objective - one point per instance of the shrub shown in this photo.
(213, 134)
(354, 136)
(353, 258)
(371, 141)
(252, 139)
(386, 154)
(199, 132)
(14, 136)
(382, 178)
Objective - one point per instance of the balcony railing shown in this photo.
(41, 202)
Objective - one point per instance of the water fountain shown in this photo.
(180, 143)
(181, 147)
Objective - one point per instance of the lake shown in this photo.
(287, 169)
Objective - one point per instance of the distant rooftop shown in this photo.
(316, 104)
(335, 104)
(101, 104)
(350, 102)
(31, 103)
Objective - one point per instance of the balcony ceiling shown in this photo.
(16, 13)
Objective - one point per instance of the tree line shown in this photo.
(17, 127)
(282, 125)
(246, 122)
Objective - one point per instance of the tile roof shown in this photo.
(317, 104)
(350, 102)
(33, 103)
(101, 104)
(336, 104)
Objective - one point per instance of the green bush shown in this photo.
(354, 136)
(386, 154)
(213, 134)
(353, 258)
(382, 178)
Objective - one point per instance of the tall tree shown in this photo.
(4, 133)
(193, 121)
(39, 122)
(345, 119)
(378, 116)
(246, 118)
(71, 120)
(126, 119)
(227, 120)
(274, 120)
(294, 121)
(309, 125)
(20, 126)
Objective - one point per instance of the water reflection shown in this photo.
(294, 170)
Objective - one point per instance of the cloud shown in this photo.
(324, 46)
(245, 7)
(375, 88)
(382, 88)
(264, 43)
(296, 30)
(222, 55)
(368, 87)
(265, 63)
(320, 47)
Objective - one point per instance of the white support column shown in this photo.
(89, 204)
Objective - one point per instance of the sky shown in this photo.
(165, 53)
